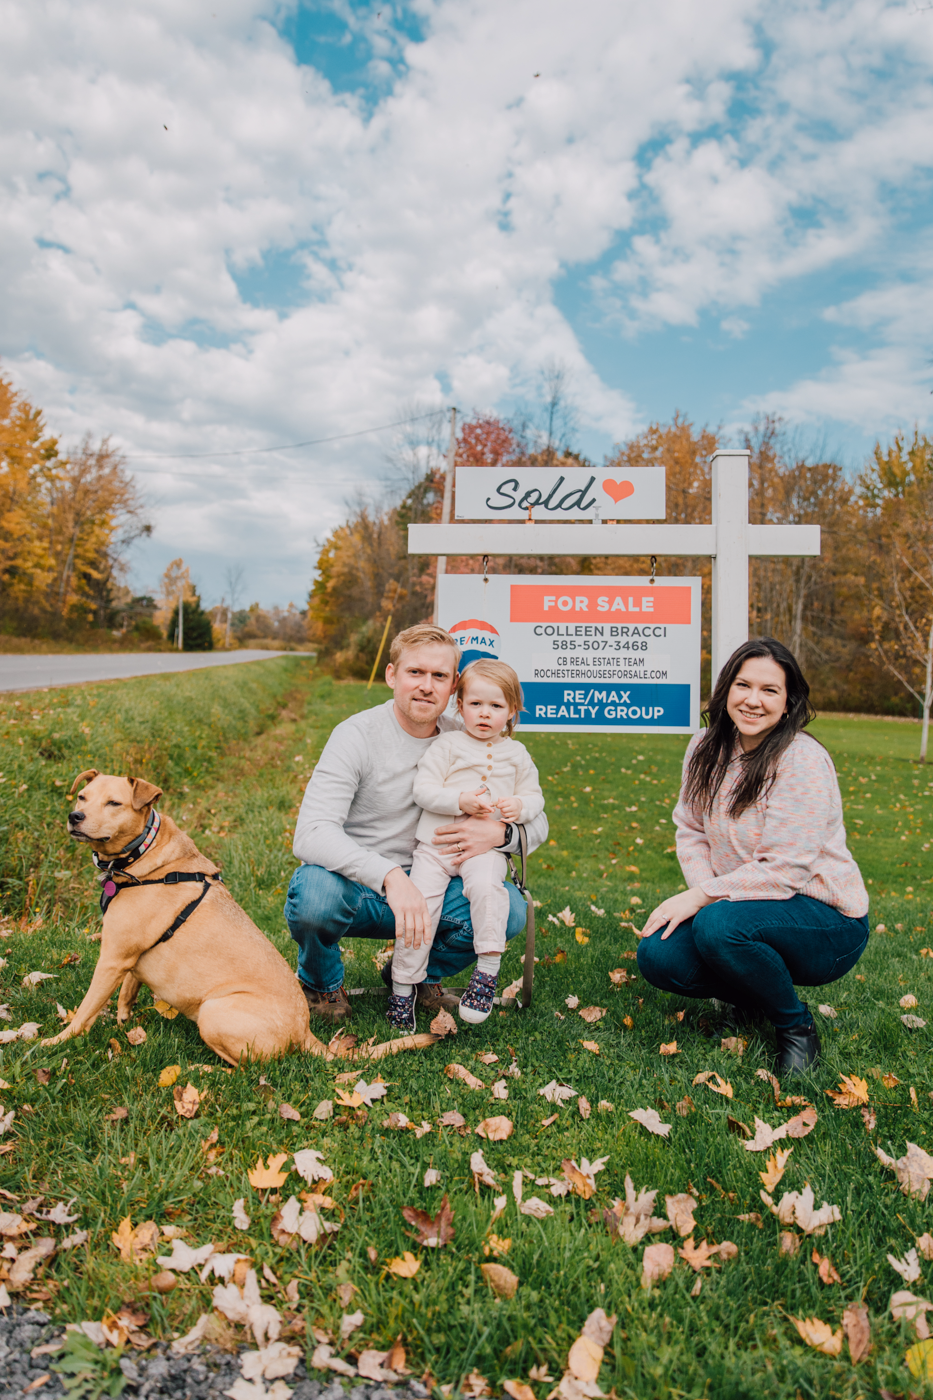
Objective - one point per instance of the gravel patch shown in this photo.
(205, 1375)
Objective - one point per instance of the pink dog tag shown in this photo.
(110, 889)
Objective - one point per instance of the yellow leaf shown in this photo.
(580, 935)
(852, 1091)
(500, 1279)
(405, 1267)
(670, 1048)
(819, 1335)
(270, 1175)
(919, 1360)
(590, 1045)
(123, 1238)
(168, 1076)
(169, 1012)
(775, 1167)
(714, 1081)
(495, 1129)
(518, 1390)
(585, 1359)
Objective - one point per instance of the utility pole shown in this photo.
(181, 617)
(448, 499)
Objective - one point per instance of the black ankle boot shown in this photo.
(798, 1048)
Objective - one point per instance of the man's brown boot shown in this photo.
(329, 1006)
(431, 995)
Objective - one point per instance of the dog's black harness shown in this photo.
(132, 853)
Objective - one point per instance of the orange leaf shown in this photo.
(670, 1048)
(187, 1100)
(270, 1175)
(819, 1335)
(825, 1265)
(455, 1071)
(404, 1267)
(714, 1081)
(851, 1093)
(495, 1129)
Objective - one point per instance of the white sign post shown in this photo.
(729, 540)
(594, 654)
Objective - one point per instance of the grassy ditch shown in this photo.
(236, 787)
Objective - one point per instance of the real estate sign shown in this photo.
(559, 493)
(594, 654)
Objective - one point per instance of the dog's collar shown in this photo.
(134, 850)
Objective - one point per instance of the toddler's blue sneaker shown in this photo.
(401, 1012)
(476, 1002)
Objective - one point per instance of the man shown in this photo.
(356, 832)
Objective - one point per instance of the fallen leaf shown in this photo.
(136, 1036)
(698, 1256)
(656, 1263)
(789, 1243)
(825, 1268)
(324, 1110)
(546, 1122)
(581, 936)
(405, 1267)
(752, 1218)
(168, 1076)
(670, 1048)
(501, 1280)
(452, 1119)
(799, 1208)
(322, 1359)
(187, 1101)
(498, 1206)
(908, 1001)
(827, 1011)
(349, 1323)
(591, 1045)
(592, 1014)
(925, 1245)
(240, 1219)
(518, 1390)
(684, 1106)
(373, 1366)
(183, 1257)
(851, 1093)
(572, 1002)
(733, 1045)
(857, 1329)
(32, 979)
(914, 1023)
(310, 1167)
(135, 1244)
(890, 1081)
(116, 1115)
(650, 1119)
(583, 1107)
(714, 1081)
(914, 1171)
(262, 1177)
(482, 1174)
(908, 1267)
(566, 917)
(557, 1093)
(819, 1335)
(164, 1009)
(582, 1178)
(619, 977)
(455, 1071)
(585, 1356)
(632, 1219)
(680, 1212)
(869, 1118)
(27, 1261)
(535, 1207)
(500, 1089)
(797, 1127)
(775, 1168)
(443, 1024)
(495, 1129)
(291, 1115)
(434, 1231)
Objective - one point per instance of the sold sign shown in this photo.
(559, 493)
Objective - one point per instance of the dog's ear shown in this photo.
(87, 776)
(144, 794)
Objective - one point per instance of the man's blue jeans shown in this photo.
(321, 908)
(751, 952)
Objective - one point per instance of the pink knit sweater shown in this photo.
(791, 842)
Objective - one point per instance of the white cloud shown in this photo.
(152, 154)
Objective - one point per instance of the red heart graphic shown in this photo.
(618, 490)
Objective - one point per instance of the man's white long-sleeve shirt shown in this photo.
(358, 816)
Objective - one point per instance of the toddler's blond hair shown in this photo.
(501, 675)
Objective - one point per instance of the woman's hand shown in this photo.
(674, 911)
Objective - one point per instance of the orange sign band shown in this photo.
(548, 602)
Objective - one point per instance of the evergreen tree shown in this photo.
(197, 627)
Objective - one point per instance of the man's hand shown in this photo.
(410, 908)
(476, 804)
(472, 837)
(676, 910)
(510, 807)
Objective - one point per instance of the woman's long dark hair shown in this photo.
(715, 751)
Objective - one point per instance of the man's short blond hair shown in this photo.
(501, 675)
(423, 634)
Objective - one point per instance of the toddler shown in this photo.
(479, 771)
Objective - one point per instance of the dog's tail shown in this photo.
(337, 1051)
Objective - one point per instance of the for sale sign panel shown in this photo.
(602, 656)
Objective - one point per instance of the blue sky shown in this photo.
(228, 227)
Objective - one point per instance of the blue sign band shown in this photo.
(555, 702)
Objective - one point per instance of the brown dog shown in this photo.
(189, 942)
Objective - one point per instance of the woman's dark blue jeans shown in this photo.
(751, 952)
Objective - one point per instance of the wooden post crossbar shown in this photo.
(729, 540)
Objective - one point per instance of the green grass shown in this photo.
(238, 792)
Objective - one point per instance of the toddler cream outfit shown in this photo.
(456, 762)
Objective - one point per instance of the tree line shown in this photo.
(859, 616)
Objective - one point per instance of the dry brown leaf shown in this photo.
(825, 1267)
(187, 1101)
(797, 1127)
(789, 1243)
(852, 1092)
(443, 1024)
(434, 1231)
(324, 1110)
(753, 1217)
(583, 1107)
(404, 1267)
(670, 1048)
(518, 1390)
(680, 1212)
(656, 1263)
(649, 1118)
(291, 1115)
(799, 1208)
(168, 1076)
(699, 1256)
(890, 1081)
(135, 1244)
(914, 1171)
(270, 1175)
(582, 1178)
(164, 1009)
(455, 1071)
(819, 1335)
(591, 1014)
(585, 1356)
(27, 1261)
(733, 1045)
(535, 1207)
(483, 1174)
(684, 1106)
(546, 1122)
(925, 1245)
(500, 1279)
(116, 1115)
(452, 1119)
(136, 1036)
(775, 1168)
(495, 1129)
(591, 1045)
(857, 1329)
(714, 1081)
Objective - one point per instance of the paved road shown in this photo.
(37, 672)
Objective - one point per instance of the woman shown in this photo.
(774, 896)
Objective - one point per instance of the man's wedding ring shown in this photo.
(459, 845)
